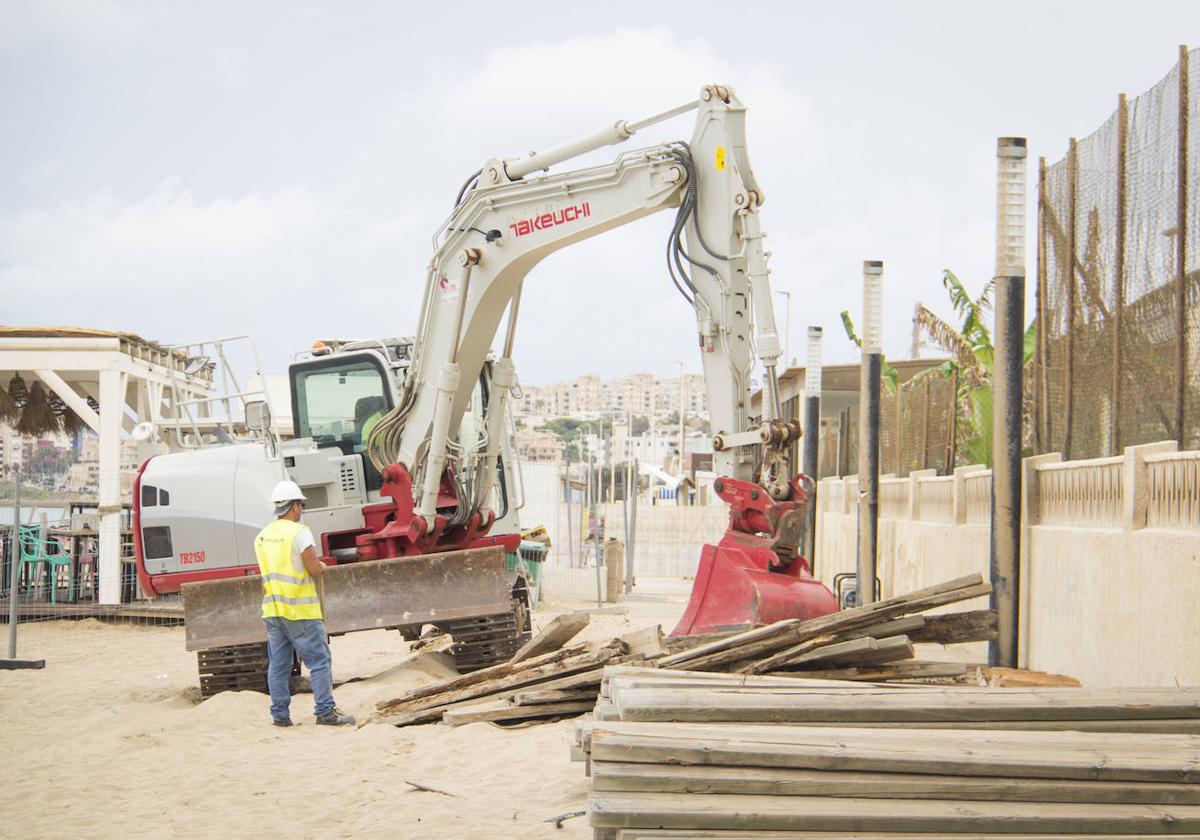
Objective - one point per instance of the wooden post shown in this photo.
(1042, 426)
(1114, 439)
(1181, 256)
(1069, 408)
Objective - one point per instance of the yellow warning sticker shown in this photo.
(720, 158)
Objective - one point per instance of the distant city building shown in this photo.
(590, 396)
(536, 445)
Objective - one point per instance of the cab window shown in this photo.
(334, 403)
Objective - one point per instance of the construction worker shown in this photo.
(291, 608)
(370, 411)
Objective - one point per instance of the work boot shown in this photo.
(282, 721)
(335, 717)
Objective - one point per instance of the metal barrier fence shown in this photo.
(1118, 280)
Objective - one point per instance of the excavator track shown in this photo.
(487, 640)
(236, 668)
(233, 668)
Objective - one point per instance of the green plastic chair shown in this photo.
(33, 552)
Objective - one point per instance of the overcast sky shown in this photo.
(187, 170)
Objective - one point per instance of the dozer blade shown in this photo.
(736, 588)
(428, 589)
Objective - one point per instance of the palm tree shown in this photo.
(971, 364)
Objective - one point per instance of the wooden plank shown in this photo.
(1044, 755)
(1158, 727)
(948, 704)
(429, 708)
(954, 628)
(482, 675)
(648, 641)
(733, 834)
(727, 642)
(876, 651)
(792, 632)
(915, 669)
(793, 680)
(735, 811)
(553, 636)
(537, 697)
(903, 626)
(1019, 678)
(506, 711)
(751, 652)
(786, 781)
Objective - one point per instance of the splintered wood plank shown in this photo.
(553, 636)
(949, 704)
(784, 781)
(482, 675)
(648, 641)
(508, 712)
(429, 708)
(954, 628)
(1045, 755)
(737, 811)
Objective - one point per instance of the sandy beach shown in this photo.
(110, 739)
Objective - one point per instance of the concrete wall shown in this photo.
(1110, 557)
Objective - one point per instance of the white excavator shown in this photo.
(415, 514)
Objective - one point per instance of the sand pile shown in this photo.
(109, 740)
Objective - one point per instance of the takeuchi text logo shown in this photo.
(548, 220)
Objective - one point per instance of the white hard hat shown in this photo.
(287, 491)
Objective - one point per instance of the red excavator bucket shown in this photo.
(737, 587)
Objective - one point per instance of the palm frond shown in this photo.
(848, 326)
(944, 336)
(37, 417)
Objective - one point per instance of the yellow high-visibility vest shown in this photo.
(289, 591)
(369, 425)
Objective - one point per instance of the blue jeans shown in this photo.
(308, 639)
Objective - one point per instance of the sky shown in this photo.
(190, 170)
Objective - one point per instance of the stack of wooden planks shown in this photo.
(545, 680)
(706, 755)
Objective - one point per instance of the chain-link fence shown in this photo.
(1118, 292)
(922, 427)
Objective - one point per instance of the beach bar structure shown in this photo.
(112, 381)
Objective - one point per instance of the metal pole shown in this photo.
(1043, 344)
(570, 517)
(1181, 210)
(595, 522)
(1007, 392)
(1070, 263)
(812, 439)
(1114, 442)
(14, 576)
(632, 528)
(868, 431)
